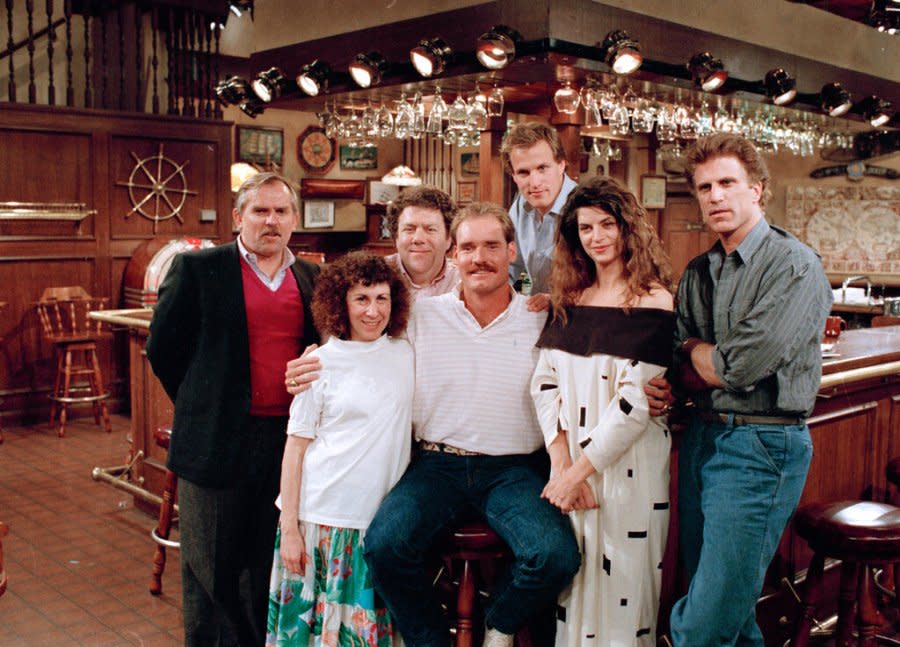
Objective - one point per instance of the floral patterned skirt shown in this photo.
(333, 604)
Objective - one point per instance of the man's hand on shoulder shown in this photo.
(539, 302)
(302, 371)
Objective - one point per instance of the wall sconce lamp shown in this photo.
(496, 48)
(269, 84)
(367, 69)
(430, 56)
(780, 87)
(875, 110)
(835, 100)
(313, 77)
(708, 72)
(621, 52)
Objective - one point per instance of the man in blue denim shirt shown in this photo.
(750, 317)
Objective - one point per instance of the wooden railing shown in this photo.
(131, 56)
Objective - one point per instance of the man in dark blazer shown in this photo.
(227, 321)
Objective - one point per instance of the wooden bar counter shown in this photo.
(150, 406)
(855, 428)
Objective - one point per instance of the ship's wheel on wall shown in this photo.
(157, 188)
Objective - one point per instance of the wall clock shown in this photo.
(316, 151)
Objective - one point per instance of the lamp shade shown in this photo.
(401, 175)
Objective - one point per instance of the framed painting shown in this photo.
(653, 191)
(318, 214)
(260, 145)
(358, 158)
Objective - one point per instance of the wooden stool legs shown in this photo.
(161, 533)
(80, 361)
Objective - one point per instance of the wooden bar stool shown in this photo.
(474, 542)
(862, 534)
(63, 313)
(167, 512)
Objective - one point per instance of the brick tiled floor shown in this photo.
(78, 554)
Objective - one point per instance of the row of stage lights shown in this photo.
(496, 48)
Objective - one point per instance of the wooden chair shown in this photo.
(167, 516)
(4, 530)
(863, 535)
(879, 321)
(63, 313)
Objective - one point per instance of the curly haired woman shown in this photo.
(348, 443)
(610, 332)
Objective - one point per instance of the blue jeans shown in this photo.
(737, 488)
(433, 496)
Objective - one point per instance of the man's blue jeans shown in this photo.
(433, 496)
(737, 488)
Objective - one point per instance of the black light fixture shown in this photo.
(313, 77)
(269, 85)
(621, 52)
(496, 48)
(835, 100)
(430, 56)
(708, 72)
(232, 91)
(367, 69)
(780, 87)
(877, 111)
(252, 107)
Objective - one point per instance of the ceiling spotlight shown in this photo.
(708, 72)
(430, 56)
(313, 77)
(496, 48)
(835, 100)
(232, 91)
(876, 110)
(622, 53)
(268, 85)
(238, 7)
(252, 107)
(780, 87)
(367, 69)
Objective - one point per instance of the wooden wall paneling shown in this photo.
(175, 166)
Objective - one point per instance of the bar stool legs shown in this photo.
(167, 511)
(78, 361)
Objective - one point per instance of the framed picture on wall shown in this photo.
(466, 191)
(382, 192)
(359, 158)
(468, 164)
(653, 191)
(260, 145)
(318, 214)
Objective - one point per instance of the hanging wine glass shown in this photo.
(384, 121)
(477, 115)
(666, 126)
(331, 122)
(643, 117)
(619, 122)
(367, 120)
(403, 124)
(495, 103)
(704, 121)
(435, 124)
(418, 108)
(567, 99)
(458, 114)
(607, 102)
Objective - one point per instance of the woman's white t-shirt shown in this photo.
(359, 413)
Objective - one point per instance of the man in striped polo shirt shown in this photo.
(480, 446)
(750, 316)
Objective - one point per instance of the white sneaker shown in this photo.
(496, 638)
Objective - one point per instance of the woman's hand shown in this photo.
(568, 491)
(293, 549)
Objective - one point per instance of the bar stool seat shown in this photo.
(63, 313)
(474, 543)
(862, 534)
(167, 512)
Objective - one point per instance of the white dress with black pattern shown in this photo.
(598, 398)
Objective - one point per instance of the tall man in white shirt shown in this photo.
(480, 446)
(535, 158)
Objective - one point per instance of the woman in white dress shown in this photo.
(609, 333)
(348, 443)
